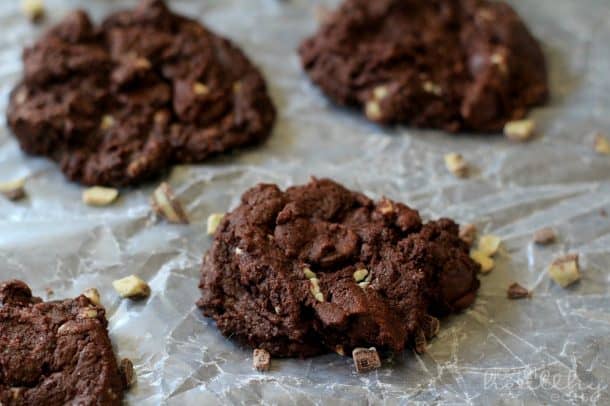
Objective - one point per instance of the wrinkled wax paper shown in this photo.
(551, 349)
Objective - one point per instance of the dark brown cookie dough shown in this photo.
(449, 64)
(119, 103)
(256, 281)
(55, 353)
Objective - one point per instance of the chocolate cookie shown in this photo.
(319, 268)
(117, 104)
(449, 64)
(55, 353)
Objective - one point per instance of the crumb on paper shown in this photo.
(456, 164)
(127, 372)
(100, 196)
(131, 287)
(366, 359)
(214, 220)
(520, 130)
(516, 291)
(261, 360)
(565, 270)
(601, 144)
(13, 190)
(34, 10)
(165, 204)
(487, 263)
(489, 244)
(545, 236)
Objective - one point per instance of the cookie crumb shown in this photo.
(601, 144)
(516, 291)
(127, 372)
(214, 220)
(545, 236)
(456, 164)
(261, 360)
(13, 190)
(33, 9)
(93, 295)
(565, 270)
(520, 130)
(340, 350)
(420, 342)
(100, 196)
(131, 287)
(430, 326)
(468, 233)
(49, 291)
(366, 359)
(165, 204)
(489, 244)
(487, 263)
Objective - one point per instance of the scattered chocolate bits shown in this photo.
(166, 205)
(516, 291)
(127, 372)
(565, 270)
(366, 359)
(261, 360)
(545, 236)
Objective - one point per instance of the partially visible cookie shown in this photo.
(320, 268)
(119, 103)
(449, 64)
(55, 353)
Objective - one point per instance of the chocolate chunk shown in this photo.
(318, 267)
(516, 291)
(261, 360)
(55, 353)
(117, 104)
(452, 64)
(366, 359)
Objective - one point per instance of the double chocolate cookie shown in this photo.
(319, 268)
(449, 64)
(119, 103)
(55, 353)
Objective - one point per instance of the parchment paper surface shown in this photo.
(551, 349)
